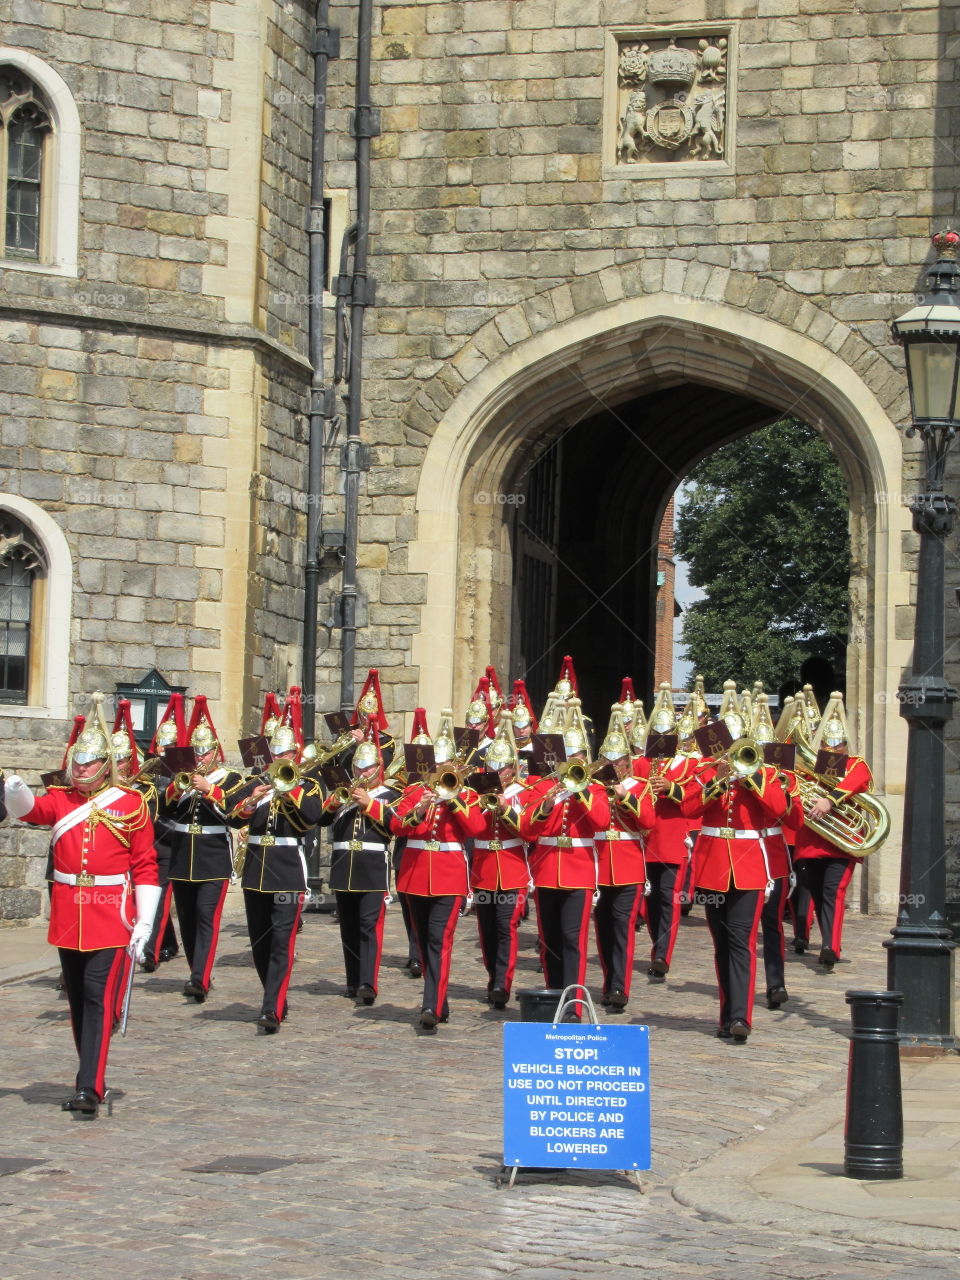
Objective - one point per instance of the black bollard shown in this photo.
(873, 1134)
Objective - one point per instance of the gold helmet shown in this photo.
(444, 744)
(502, 751)
(663, 717)
(167, 735)
(730, 712)
(833, 732)
(282, 739)
(761, 727)
(638, 729)
(615, 745)
(122, 746)
(92, 744)
(366, 755)
(575, 738)
(552, 716)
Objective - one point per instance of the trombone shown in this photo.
(447, 781)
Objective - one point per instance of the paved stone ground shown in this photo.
(392, 1140)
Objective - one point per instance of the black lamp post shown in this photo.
(920, 953)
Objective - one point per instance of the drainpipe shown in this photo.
(326, 45)
(354, 456)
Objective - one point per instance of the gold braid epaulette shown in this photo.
(125, 824)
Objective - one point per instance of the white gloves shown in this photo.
(148, 899)
(19, 797)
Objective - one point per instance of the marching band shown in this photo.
(487, 818)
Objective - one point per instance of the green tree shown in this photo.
(764, 533)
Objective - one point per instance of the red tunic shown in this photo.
(554, 863)
(620, 850)
(856, 780)
(499, 852)
(667, 842)
(436, 872)
(745, 862)
(120, 843)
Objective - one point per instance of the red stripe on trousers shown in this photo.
(110, 996)
(211, 954)
(291, 953)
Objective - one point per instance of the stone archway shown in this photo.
(517, 403)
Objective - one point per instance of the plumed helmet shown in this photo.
(91, 745)
(122, 746)
(203, 739)
(366, 755)
(167, 734)
(283, 739)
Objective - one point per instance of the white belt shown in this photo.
(729, 833)
(575, 842)
(86, 881)
(366, 846)
(271, 840)
(435, 846)
(501, 844)
(196, 830)
(618, 835)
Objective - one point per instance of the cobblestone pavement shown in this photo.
(387, 1142)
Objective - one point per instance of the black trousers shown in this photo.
(827, 881)
(92, 980)
(361, 916)
(615, 920)
(663, 907)
(800, 904)
(434, 922)
(272, 920)
(412, 953)
(164, 936)
(563, 919)
(498, 913)
(771, 925)
(733, 918)
(199, 908)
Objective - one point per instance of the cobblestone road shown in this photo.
(390, 1141)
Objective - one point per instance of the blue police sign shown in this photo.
(576, 1096)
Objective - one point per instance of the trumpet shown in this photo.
(490, 802)
(342, 795)
(183, 782)
(574, 775)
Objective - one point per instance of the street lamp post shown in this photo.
(920, 959)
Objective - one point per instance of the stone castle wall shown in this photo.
(154, 406)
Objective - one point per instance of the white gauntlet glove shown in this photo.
(148, 899)
(19, 797)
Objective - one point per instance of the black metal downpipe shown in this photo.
(326, 45)
(366, 125)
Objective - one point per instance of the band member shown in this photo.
(201, 857)
(499, 872)
(740, 811)
(621, 873)
(277, 814)
(369, 707)
(771, 917)
(433, 874)
(360, 868)
(667, 848)
(823, 868)
(163, 945)
(561, 819)
(419, 736)
(524, 727)
(104, 892)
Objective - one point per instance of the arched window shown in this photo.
(22, 568)
(39, 167)
(25, 133)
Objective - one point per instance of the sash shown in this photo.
(82, 813)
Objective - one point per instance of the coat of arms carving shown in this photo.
(672, 98)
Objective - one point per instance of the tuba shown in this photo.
(857, 825)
